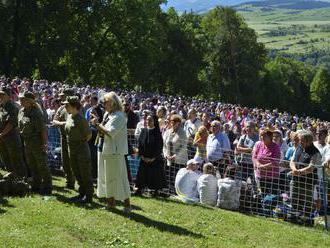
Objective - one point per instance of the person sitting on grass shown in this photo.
(207, 186)
(186, 181)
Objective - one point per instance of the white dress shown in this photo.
(112, 171)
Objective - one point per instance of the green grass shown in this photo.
(264, 22)
(55, 222)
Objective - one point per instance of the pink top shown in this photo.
(265, 155)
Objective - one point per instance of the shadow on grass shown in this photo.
(161, 226)
(119, 203)
(64, 199)
(60, 189)
(177, 201)
(4, 203)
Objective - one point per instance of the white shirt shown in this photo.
(191, 127)
(207, 186)
(186, 184)
(139, 127)
(50, 114)
(327, 153)
(324, 150)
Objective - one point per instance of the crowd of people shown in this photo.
(186, 146)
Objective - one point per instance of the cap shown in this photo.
(27, 94)
(71, 100)
(196, 160)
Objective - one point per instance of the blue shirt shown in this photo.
(216, 145)
(289, 153)
(88, 114)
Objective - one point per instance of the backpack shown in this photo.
(229, 193)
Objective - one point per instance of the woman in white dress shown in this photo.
(112, 182)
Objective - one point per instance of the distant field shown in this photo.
(290, 31)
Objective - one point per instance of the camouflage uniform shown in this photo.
(11, 151)
(61, 115)
(32, 126)
(78, 130)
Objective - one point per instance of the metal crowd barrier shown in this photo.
(300, 199)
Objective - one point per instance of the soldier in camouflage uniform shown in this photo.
(59, 120)
(11, 150)
(78, 134)
(34, 132)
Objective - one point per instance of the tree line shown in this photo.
(134, 44)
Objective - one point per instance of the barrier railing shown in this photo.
(236, 184)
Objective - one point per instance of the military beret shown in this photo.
(27, 94)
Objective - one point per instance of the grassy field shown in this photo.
(290, 31)
(55, 222)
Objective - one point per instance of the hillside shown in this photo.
(55, 222)
(300, 29)
(199, 6)
(293, 28)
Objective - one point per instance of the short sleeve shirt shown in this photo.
(31, 124)
(8, 114)
(77, 130)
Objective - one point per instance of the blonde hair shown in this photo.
(327, 140)
(202, 130)
(208, 168)
(115, 102)
(293, 136)
(176, 118)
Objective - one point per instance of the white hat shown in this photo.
(196, 160)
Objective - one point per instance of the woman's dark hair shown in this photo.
(76, 105)
(267, 133)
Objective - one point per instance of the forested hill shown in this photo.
(299, 29)
(200, 6)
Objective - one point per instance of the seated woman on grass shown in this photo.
(207, 186)
(186, 181)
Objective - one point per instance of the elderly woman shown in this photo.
(207, 185)
(112, 180)
(186, 181)
(151, 171)
(266, 156)
(304, 163)
(175, 149)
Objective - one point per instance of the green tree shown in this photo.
(183, 58)
(320, 89)
(285, 84)
(234, 56)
